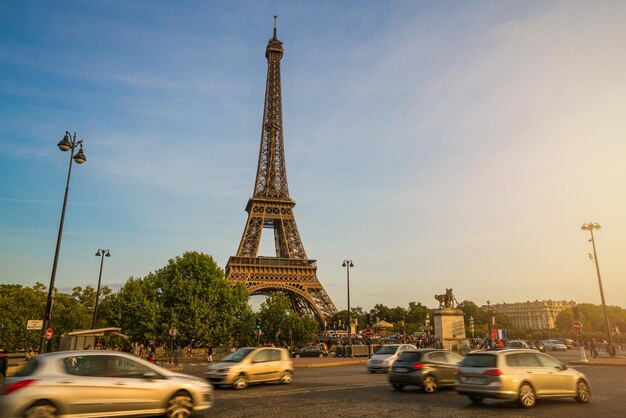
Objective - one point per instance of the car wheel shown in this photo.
(397, 386)
(321, 355)
(429, 384)
(180, 406)
(372, 371)
(476, 399)
(296, 355)
(241, 382)
(286, 378)
(583, 394)
(41, 409)
(527, 397)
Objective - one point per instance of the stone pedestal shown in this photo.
(449, 324)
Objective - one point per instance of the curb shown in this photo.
(597, 363)
(338, 363)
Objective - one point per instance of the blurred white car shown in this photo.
(101, 383)
(385, 356)
(553, 345)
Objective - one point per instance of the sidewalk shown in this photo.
(312, 362)
(298, 363)
(617, 361)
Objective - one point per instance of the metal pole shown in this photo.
(95, 308)
(48, 312)
(606, 315)
(349, 322)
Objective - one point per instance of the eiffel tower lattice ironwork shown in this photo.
(271, 207)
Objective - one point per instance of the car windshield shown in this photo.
(387, 349)
(479, 360)
(238, 355)
(515, 344)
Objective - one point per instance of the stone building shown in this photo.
(532, 315)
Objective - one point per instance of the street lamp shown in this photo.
(347, 264)
(101, 254)
(590, 227)
(66, 144)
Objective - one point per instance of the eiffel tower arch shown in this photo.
(270, 207)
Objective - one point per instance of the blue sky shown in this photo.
(436, 144)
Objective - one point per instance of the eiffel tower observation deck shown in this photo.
(270, 207)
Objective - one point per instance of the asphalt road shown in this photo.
(351, 391)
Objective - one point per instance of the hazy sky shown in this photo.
(436, 144)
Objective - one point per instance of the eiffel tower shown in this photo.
(290, 272)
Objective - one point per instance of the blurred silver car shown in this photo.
(252, 365)
(101, 383)
(385, 356)
(524, 375)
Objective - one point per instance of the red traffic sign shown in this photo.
(48, 333)
(367, 332)
(577, 325)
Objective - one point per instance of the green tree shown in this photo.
(19, 304)
(190, 294)
(279, 323)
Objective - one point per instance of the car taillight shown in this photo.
(12, 387)
(457, 372)
(493, 372)
(417, 366)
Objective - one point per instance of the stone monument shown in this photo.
(449, 323)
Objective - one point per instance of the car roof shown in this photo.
(66, 353)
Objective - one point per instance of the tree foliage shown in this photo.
(190, 294)
(282, 326)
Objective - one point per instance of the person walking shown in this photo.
(594, 348)
(4, 364)
(209, 354)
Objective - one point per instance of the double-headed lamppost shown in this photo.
(594, 257)
(68, 143)
(101, 254)
(348, 264)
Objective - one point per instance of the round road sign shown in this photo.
(577, 325)
(367, 332)
(48, 333)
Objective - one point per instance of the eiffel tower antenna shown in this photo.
(270, 207)
(275, 17)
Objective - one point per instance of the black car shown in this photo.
(427, 368)
(309, 351)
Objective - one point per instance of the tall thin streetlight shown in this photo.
(590, 227)
(101, 254)
(348, 264)
(68, 143)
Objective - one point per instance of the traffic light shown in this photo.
(576, 313)
(258, 323)
(369, 320)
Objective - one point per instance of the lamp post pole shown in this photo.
(347, 264)
(590, 227)
(68, 143)
(101, 254)
(489, 319)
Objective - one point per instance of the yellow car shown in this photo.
(252, 365)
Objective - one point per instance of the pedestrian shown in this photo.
(30, 354)
(136, 349)
(4, 363)
(594, 348)
(209, 354)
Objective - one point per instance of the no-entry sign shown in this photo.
(48, 333)
(577, 325)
